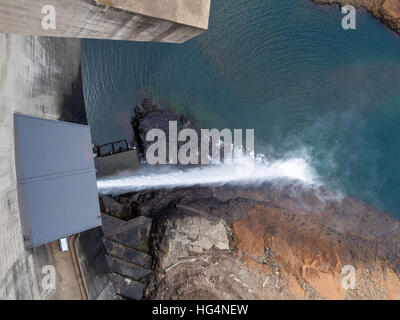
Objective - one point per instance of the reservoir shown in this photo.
(284, 68)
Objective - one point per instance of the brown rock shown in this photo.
(268, 242)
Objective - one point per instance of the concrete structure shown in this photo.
(127, 246)
(110, 165)
(40, 76)
(142, 20)
(114, 157)
(56, 178)
(37, 77)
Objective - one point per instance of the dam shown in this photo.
(280, 232)
(40, 76)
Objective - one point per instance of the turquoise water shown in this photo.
(286, 69)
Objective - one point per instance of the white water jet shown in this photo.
(244, 171)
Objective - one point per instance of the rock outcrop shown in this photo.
(387, 11)
(151, 115)
(273, 241)
(189, 235)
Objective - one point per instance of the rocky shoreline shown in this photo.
(277, 240)
(386, 11)
(266, 243)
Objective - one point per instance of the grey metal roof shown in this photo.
(56, 179)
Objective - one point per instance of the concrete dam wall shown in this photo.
(38, 77)
(141, 20)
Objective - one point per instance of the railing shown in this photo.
(113, 148)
